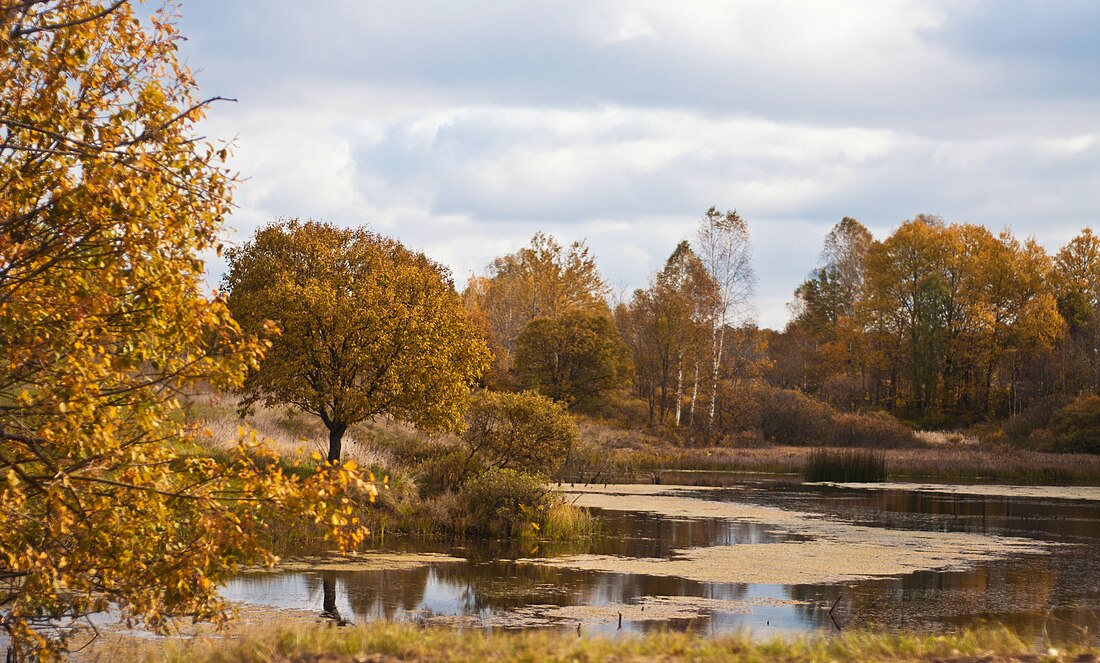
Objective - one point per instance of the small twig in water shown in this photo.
(839, 596)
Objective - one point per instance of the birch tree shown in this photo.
(725, 249)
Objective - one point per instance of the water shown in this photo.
(1050, 596)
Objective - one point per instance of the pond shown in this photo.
(766, 554)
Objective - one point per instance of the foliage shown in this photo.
(525, 431)
(846, 466)
(106, 199)
(791, 417)
(368, 327)
(1076, 427)
(726, 252)
(664, 327)
(543, 279)
(502, 502)
(1034, 421)
(441, 473)
(574, 358)
(876, 429)
(949, 306)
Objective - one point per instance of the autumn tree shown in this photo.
(1076, 280)
(107, 197)
(574, 358)
(544, 279)
(664, 327)
(367, 327)
(826, 313)
(521, 431)
(950, 303)
(726, 252)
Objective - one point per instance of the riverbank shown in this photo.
(385, 642)
(960, 463)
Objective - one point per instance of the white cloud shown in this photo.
(462, 129)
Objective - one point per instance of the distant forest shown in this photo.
(939, 324)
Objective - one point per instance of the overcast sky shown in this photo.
(464, 127)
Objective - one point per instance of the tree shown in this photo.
(726, 251)
(826, 313)
(951, 302)
(663, 326)
(368, 327)
(1076, 278)
(544, 279)
(106, 199)
(574, 358)
(521, 431)
(833, 289)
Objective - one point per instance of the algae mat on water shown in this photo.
(833, 552)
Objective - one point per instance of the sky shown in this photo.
(462, 128)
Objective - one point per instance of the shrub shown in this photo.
(877, 429)
(1027, 426)
(524, 431)
(442, 473)
(1076, 427)
(846, 466)
(501, 502)
(790, 417)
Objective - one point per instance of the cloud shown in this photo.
(464, 128)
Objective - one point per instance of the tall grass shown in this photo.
(564, 521)
(857, 465)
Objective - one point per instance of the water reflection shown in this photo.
(1047, 519)
(1054, 594)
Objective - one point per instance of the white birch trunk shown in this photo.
(679, 383)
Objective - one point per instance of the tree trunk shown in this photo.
(717, 338)
(328, 598)
(679, 384)
(694, 391)
(335, 436)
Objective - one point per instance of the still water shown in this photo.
(1054, 595)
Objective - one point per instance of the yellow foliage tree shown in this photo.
(368, 327)
(106, 198)
(544, 280)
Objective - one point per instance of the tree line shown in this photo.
(943, 323)
(938, 323)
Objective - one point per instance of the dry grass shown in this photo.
(961, 462)
(289, 432)
(385, 642)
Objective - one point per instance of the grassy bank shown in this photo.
(385, 642)
(959, 463)
(419, 497)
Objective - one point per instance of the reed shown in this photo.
(856, 465)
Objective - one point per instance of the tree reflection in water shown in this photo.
(1054, 593)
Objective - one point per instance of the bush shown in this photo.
(442, 473)
(791, 417)
(1028, 426)
(877, 429)
(502, 502)
(1076, 427)
(525, 431)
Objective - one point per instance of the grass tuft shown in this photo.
(858, 465)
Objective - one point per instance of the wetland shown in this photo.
(767, 554)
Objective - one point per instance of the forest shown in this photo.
(939, 325)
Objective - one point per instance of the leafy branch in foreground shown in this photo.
(106, 200)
